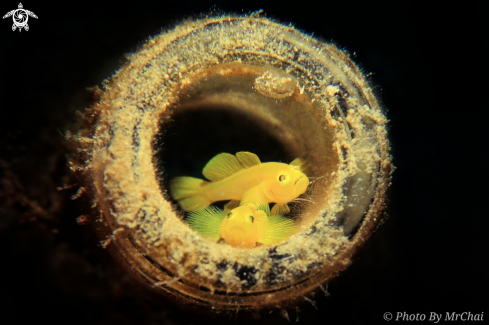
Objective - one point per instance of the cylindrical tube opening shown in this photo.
(234, 84)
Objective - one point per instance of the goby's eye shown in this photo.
(281, 178)
(230, 215)
(252, 219)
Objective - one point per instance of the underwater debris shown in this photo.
(326, 113)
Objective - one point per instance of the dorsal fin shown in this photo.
(248, 159)
(221, 166)
(301, 164)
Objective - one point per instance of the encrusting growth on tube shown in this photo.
(307, 95)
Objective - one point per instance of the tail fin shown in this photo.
(188, 192)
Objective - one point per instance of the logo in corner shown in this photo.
(20, 17)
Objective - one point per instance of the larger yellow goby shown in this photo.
(244, 179)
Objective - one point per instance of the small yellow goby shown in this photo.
(243, 227)
(243, 179)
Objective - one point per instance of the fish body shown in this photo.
(244, 226)
(242, 178)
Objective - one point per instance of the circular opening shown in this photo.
(258, 86)
(222, 110)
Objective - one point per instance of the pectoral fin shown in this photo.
(276, 230)
(255, 196)
(207, 222)
(280, 209)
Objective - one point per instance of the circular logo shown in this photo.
(20, 17)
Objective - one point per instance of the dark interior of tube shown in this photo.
(196, 134)
(224, 113)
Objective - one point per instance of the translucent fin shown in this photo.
(276, 230)
(280, 209)
(231, 205)
(187, 191)
(248, 159)
(255, 196)
(301, 164)
(221, 166)
(194, 202)
(207, 222)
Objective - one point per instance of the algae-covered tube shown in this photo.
(306, 94)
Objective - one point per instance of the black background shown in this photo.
(430, 71)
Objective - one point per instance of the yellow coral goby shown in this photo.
(242, 178)
(243, 226)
